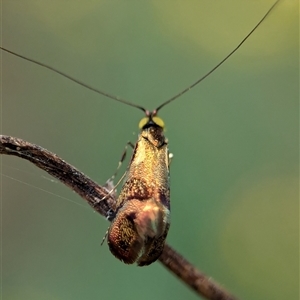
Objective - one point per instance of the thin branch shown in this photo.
(93, 194)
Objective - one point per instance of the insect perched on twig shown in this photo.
(141, 216)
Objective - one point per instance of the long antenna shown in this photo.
(75, 80)
(116, 98)
(220, 63)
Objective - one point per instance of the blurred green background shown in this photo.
(234, 177)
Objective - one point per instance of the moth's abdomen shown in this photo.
(138, 232)
(122, 239)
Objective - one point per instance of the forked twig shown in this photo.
(93, 194)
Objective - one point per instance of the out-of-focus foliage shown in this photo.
(234, 177)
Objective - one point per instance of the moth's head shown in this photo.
(151, 119)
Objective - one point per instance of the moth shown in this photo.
(140, 219)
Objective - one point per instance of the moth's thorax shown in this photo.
(138, 232)
(155, 135)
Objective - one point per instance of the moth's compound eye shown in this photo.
(143, 122)
(158, 121)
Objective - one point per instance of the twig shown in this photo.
(93, 194)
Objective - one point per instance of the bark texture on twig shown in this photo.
(198, 281)
(93, 193)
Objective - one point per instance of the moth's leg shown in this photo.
(121, 160)
(109, 185)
